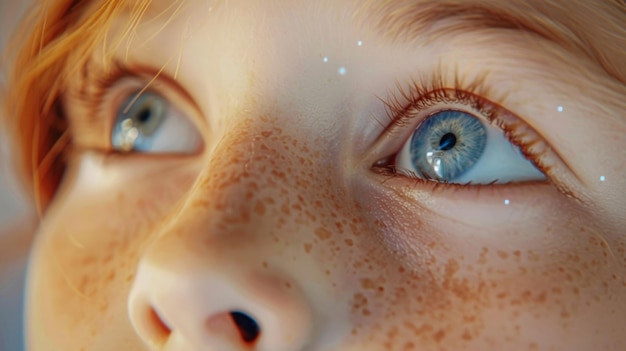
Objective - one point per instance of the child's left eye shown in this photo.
(453, 146)
(146, 122)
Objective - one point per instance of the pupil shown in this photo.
(447, 142)
(144, 115)
(248, 328)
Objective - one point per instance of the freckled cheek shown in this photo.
(545, 272)
(88, 247)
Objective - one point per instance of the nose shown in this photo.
(182, 303)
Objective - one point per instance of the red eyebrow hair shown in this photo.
(593, 29)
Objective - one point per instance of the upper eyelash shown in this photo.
(429, 89)
(96, 82)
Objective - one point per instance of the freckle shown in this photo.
(259, 208)
(367, 284)
(502, 295)
(451, 268)
(517, 253)
(110, 276)
(401, 270)
(466, 335)
(409, 346)
(288, 285)
(482, 259)
(285, 209)
(265, 265)
(308, 247)
(107, 259)
(322, 233)
(565, 314)
(438, 336)
(349, 242)
(541, 298)
(503, 255)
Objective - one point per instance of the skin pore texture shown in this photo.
(283, 214)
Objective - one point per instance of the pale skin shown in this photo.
(280, 213)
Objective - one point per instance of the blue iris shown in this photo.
(138, 120)
(447, 145)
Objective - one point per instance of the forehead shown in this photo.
(575, 25)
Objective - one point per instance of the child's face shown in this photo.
(266, 185)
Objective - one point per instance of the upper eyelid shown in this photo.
(105, 79)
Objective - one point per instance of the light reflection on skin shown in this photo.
(323, 252)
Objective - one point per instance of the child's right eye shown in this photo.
(146, 122)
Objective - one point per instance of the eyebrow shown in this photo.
(595, 30)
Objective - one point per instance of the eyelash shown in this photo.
(101, 82)
(404, 105)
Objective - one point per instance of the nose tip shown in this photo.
(205, 311)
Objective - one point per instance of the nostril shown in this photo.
(248, 328)
(158, 330)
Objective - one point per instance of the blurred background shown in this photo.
(14, 212)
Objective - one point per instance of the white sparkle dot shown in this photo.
(506, 202)
(325, 59)
(560, 108)
(602, 178)
(359, 43)
(342, 70)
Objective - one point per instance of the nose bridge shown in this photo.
(253, 181)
